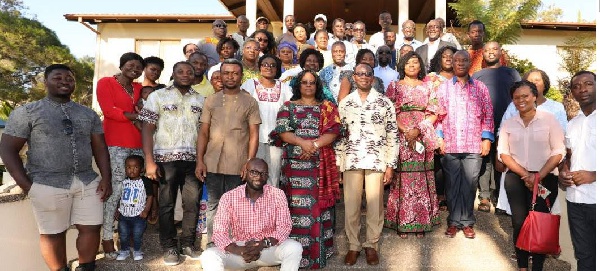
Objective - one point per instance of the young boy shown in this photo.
(134, 207)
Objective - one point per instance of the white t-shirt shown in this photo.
(133, 198)
(269, 101)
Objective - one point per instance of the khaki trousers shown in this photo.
(353, 186)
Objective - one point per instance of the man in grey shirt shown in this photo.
(64, 189)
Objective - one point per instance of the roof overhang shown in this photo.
(559, 26)
(147, 18)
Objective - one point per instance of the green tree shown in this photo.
(26, 48)
(502, 17)
(577, 54)
(550, 13)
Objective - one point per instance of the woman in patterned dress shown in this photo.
(307, 126)
(412, 204)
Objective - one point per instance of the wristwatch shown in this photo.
(267, 242)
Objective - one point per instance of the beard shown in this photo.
(492, 63)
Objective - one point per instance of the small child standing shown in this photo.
(134, 207)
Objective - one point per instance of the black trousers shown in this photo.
(582, 225)
(216, 185)
(519, 198)
(462, 174)
(178, 174)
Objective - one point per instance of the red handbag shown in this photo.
(539, 233)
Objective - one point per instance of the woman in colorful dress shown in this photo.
(117, 96)
(440, 70)
(412, 205)
(306, 128)
(270, 93)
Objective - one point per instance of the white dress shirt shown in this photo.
(386, 74)
(581, 139)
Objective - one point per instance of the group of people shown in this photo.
(275, 128)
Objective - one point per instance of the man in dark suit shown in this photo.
(432, 43)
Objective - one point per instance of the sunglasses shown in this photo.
(308, 83)
(384, 52)
(220, 25)
(256, 173)
(261, 40)
(363, 74)
(67, 126)
(268, 65)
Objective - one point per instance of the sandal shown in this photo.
(403, 235)
(153, 218)
(420, 235)
(443, 205)
(484, 206)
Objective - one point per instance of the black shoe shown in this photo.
(171, 257)
(191, 252)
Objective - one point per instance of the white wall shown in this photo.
(540, 47)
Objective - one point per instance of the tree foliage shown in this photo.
(578, 54)
(550, 13)
(502, 17)
(26, 48)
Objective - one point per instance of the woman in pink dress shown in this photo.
(412, 204)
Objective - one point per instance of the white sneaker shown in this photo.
(138, 255)
(123, 254)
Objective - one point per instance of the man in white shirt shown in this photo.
(339, 34)
(320, 23)
(428, 49)
(385, 21)
(408, 29)
(383, 70)
(358, 40)
(578, 171)
(241, 36)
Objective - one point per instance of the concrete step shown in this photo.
(490, 250)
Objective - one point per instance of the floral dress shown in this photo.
(412, 204)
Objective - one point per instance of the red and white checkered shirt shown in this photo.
(268, 216)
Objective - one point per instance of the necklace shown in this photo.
(129, 92)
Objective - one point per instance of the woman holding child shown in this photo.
(117, 96)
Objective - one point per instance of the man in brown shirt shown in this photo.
(228, 137)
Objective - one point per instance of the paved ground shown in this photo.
(490, 250)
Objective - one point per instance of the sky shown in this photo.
(82, 41)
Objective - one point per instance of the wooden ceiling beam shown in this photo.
(268, 10)
(426, 11)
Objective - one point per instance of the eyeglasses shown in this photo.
(408, 28)
(308, 83)
(256, 173)
(384, 52)
(363, 74)
(67, 126)
(434, 27)
(268, 65)
(220, 25)
(261, 40)
(358, 30)
(251, 48)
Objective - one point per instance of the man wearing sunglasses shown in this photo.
(208, 45)
(252, 226)
(383, 70)
(367, 155)
(63, 137)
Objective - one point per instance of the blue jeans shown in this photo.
(131, 226)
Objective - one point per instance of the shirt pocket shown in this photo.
(82, 126)
(541, 135)
(591, 139)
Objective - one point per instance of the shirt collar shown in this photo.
(57, 104)
(469, 81)
(190, 91)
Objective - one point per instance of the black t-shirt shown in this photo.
(498, 81)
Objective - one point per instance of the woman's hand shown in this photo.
(308, 147)
(529, 180)
(412, 134)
